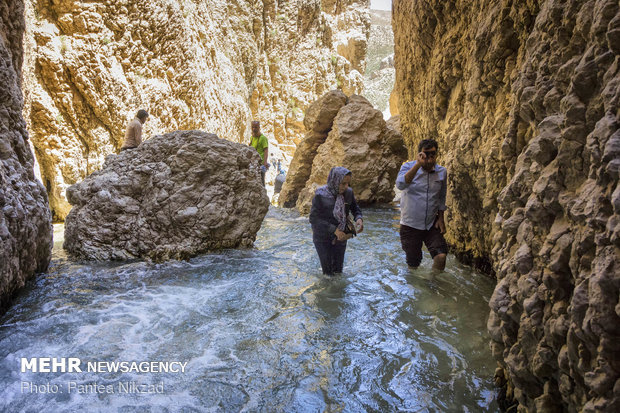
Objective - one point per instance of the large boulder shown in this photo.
(361, 141)
(25, 219)
(173, 197)
(318, 122)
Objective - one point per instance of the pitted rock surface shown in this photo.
(318, 122)
(175, 196)
(524, 98)
(25, 219)
(361, 141)
(210, 65)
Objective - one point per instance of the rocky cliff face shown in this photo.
(25, 220)
(380, 73)
(524, 98)
(212, 65)
(173, 197)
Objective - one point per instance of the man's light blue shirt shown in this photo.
(423, 197)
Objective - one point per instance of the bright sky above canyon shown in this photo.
(381, 4)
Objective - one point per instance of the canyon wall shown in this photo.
(380, 73)
(25, 220)
(211, 65)
(523, 98)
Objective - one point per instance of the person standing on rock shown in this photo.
(260, 143)
(423, 201)
(329, 217)
(133, 136)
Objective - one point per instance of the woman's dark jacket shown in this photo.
(322, 218)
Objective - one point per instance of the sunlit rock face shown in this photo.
(523, 98)
(380, 73)
(318, 122)
(25, 219)
(358, 139)
(212, 65)
(174, 196)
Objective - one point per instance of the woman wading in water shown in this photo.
(331, 227)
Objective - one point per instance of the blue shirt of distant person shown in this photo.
(423, 201)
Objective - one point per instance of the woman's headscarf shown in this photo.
(336, 175)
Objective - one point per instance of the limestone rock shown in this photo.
(210, 65)
(394, 123)
(387, 62)
(524, 99)
(380, 73)
(173, 197)
(25, 219)
(378, 88)
(318, 122)
(394, 110)
(361, 141)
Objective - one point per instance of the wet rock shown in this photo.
(173, 197)
(525, 106)
(25, 219)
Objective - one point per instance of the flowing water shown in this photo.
(260, 330)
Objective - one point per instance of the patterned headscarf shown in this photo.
(336, 175)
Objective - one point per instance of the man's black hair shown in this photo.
(142, 114)
(427, 144)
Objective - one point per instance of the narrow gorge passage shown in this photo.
(522, 97)
(260, 329)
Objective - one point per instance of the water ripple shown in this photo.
(261, 329)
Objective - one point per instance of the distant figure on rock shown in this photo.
(133, 136)
(329, 216)
(422, 205)
(260, 143)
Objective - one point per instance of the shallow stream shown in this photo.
(260, 330)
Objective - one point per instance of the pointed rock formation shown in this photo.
(173, 197)
(25, 219)
(361, 141)
(318, 122)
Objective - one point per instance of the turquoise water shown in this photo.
(260, 330)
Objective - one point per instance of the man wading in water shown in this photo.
(422, 204)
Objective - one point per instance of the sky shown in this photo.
(381, 4)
